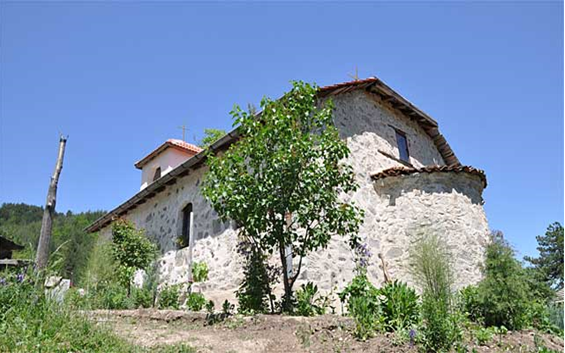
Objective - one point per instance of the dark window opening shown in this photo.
(402, 143)
(184, 240)
(157, 174)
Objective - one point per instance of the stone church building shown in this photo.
(411, 183)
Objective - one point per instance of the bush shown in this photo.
(555, 313)
(309, 302)
(431, 265)
(399, 305)
(483, 335)
(502, 296)
(227, 308)
(113, 296)
(131, 250)
(169, 297)
(199, 272)
(254, 295)
(470, 303)
(362, 300)
(195, 302)
(142, 297)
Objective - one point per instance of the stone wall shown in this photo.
(449, 204)
(214, 241)
(446, 204)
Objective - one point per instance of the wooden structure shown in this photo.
(6, 248)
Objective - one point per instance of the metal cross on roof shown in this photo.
(356, 76)
(183, 128)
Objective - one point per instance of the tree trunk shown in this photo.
(287, 299)
(42, 255)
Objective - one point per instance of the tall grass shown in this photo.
(31, 322)
(432, 270)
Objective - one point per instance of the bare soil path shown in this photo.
(276, 333)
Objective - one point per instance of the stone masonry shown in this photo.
(398, 210)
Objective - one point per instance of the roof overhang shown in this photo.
(401, 171)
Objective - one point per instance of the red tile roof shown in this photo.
(173, 143)
(399, 171)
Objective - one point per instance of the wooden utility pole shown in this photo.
(42, 255)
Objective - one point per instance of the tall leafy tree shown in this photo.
(282, 180)
(211, 136)
(550, 260)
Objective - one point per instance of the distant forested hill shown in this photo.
(70, 245)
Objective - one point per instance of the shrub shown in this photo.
(227, 308)
(399, 305)
(431, 266)
(363, 305)
(169, 297)
(199, 272)
(555, 313)
(195, 301)
(254, 295)
(470, 304)
(503, 293)
(308, 301)
(483, 335)
(142, 297)
(131, 250)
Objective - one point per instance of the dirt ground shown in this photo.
(276, 333)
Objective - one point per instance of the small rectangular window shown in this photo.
(402, 146)
(186, 219)
(157, 174)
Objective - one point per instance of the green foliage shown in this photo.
(309, 302)
(431, 267)
(199, 272)
(537, 283)
(210, 307)
(555, 316)
(470, 303)
(21, 223)
(363, 305)
(131, 250)
(169, 297)
(484, 335)
(399, 305)
(503, 292)
(101, 266)
(227, 308)
(509, 295)
(142, 297)
(550, 260)
(254, 294)
(211, 136)
(29, 322)
(195, 301)
(282, 179)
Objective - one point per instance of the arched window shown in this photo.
(186, 226)
(157, 173)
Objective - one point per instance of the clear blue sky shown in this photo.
(120, 78)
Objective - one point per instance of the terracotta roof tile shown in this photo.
(399, 171)
(174, 143)
(187, 146)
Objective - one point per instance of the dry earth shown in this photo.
(275, 333)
